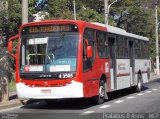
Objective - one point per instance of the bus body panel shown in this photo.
(91, 82)
(85, 83)
(90, 85)
(142, 65)
(123, 73)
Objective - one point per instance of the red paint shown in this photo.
(124, 74)
(27, 68)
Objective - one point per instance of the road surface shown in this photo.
(121, 104)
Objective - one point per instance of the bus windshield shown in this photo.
(56, 52)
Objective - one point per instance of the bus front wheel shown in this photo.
(101, 95)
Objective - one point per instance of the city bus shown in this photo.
(59, 59)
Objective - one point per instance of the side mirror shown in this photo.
(10, 45)
(89, 52)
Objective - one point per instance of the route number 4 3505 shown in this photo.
(66, 76)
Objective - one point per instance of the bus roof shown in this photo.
(116, 30)
(80, 23)
(110, 29)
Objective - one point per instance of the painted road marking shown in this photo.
(131, 97)
(140, 94)
(155, 89)
(148, 91)
(87, 112)
(105, 106)
(118, 101)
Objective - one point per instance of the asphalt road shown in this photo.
(121, 104)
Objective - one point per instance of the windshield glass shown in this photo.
(49, 53)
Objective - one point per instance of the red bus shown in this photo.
(58, 59)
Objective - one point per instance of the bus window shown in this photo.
(102, 44)
(137, 50)
(122, 47)
(89, 35)
(126, 48)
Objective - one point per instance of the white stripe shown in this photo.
(105, 106)
(148, 91)
(131, 97)
(118, 101)
(87, 112)
(140, 94)
(155, 89)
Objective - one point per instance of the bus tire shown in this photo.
(101, 95)
(138, 87)
(23, 102)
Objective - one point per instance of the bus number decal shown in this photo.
(66, 76)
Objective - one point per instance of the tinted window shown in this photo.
(89, 35)
(102, 44)
(122, 47)
(137, 47)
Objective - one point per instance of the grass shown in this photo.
(12, 86)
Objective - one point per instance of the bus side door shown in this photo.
(132, 62)
(111, 41)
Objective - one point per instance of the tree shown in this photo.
(10, 21)
(89, 15)
(5, 72)
(138, 17)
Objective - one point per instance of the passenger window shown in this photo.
(89, 35)
(122, 47)
(102, 44)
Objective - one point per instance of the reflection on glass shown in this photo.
(54, 53)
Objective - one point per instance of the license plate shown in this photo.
(46, 91)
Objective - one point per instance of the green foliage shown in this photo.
(12, 85)
(136, 16)
(90, 15)
(14, 16)
(63, 9)
(59, 9)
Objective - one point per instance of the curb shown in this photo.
(154, 77)
(15, 103)
(10, 104)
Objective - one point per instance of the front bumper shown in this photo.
(73, 90)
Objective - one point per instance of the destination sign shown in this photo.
(50, 28)
(36, 29)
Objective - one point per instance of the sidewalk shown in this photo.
(154, 76)
(13, 101)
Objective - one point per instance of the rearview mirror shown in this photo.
(89, 52)
(10, 45)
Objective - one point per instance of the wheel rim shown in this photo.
(101, 91)
(139, 84)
